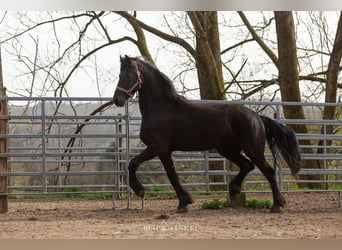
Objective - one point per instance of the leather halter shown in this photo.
(130, 91)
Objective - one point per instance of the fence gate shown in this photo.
(83, 146)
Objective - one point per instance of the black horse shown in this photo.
(170, 122)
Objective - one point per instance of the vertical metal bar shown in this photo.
(279, 172)
(117, 176)
(122, 165)
(225, 179)
(116, 193)
(60, 182)
(127, 154)
(325, 153)
(44, 165)
(277, 112)
(206, 169)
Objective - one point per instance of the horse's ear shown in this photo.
(126, 59)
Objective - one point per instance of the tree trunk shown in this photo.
(329, 112)
(209, 69)
(208, 54)
(289, 83)
(332, 76)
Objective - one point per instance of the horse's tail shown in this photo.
(283, 142)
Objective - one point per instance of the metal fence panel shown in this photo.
(78, 150)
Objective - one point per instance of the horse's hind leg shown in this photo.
(245, 166)
(183, 196)
(268, 171)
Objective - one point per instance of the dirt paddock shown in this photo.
(307, 216)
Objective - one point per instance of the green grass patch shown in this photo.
(251, 203)
(214, 204)
(256, 203)
(160, 192)
(70, 193)
(336, 188)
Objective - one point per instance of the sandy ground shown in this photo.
(307, 216)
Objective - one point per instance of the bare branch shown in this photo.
(43, 23)
(236, 45)
(256, 37)
(165, 36)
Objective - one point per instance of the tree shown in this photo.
(289, 78)
(201, 41)
(208, 54)
(333, 70)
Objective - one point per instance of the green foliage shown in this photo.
(160, 192)
(214, 204)
(251, 203)
(336, 188)
(72, 193)
(256, 203)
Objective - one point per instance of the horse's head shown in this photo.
(129, 81)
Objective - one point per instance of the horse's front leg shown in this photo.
(134, 183)
(183, 196)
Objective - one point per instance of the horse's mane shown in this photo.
(164, 83)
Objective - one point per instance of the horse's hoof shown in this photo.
(141, 193)
(191, 201)
(275, 209)
(182, 210)
(283, 202)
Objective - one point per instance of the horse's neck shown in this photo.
(152, 102)
(153, 97)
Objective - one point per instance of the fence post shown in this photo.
(128, 153)
(3, 145)
(207, 174)
(44, 160)
(326, 184)
(120, 165)
(279, 171)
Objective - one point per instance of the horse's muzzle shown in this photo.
(119, 98)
